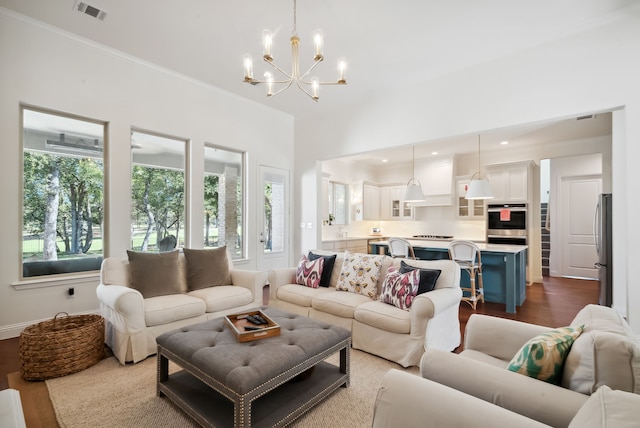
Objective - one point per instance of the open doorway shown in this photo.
(569, 190)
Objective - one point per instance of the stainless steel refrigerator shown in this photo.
(603, 235)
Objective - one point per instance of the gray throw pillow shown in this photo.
(154, 274)
(207, 268)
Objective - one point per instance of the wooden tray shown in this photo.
(236, 323)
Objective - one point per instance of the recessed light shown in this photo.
(504, 143)
(385, 160)
(434, 153)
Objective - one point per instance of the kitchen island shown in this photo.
(503, 268)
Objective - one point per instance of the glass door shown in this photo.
(273, 230)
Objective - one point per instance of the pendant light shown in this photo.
(480, 187)
(413, 193)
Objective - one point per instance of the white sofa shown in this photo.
(376, 327)
(411, 401)
(133, 322)
(11, 415)
(607, 353)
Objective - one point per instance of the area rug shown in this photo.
(111, 395)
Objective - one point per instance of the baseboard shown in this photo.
(14, 330)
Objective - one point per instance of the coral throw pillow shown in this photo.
(399, 289)
(543, 356)
(309, 272)
(360, 274)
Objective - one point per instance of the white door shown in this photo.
(577, 208)
(273, 223)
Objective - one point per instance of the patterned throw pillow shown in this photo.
(329, 261)
(360, 274)
(399, 289)
(309, 272)
(428, 277)
(543, 356)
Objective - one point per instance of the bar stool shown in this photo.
(399, 247)
(467, 255)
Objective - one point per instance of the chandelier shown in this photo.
(302, 81)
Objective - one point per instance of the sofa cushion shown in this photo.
(154, 274)
(165, 309)
(608, 408)
(300, 296)
(223, 297)
(207, 268)
(338, 303)
(602, 318)
(360, 274)
(384, 317)
(543, 356)
(428, 277)
(309, 272)
(399, 289)
(327, 269)
(603, 358)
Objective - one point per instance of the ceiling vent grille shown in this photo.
(588, 116)
(87, 9)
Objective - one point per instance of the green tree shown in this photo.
(158, 197)
(62, 198)
(211, 194)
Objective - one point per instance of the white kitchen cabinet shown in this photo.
(392, 204)
(371, 202)
(467, 208)
(352, 245)
(436, 178)
(510, 182)
(366, 201)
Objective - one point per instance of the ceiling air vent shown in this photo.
(87, 9)
(589, 116)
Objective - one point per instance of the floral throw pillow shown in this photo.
(309, 272)
(399, 289)
(543, 356)
(360, 274)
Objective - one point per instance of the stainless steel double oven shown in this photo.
(507, 224)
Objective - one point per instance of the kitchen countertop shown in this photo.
(354, 238)
(495, 248)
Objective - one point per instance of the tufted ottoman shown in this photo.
(267, 382)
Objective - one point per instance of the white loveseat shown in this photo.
(133, 322)
(376, 327)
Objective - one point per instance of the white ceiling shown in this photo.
(386, 43)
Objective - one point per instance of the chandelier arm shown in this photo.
(309, 71)
(289, 83)
(281, 71)
(305, 91)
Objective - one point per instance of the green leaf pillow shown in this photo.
(543, 356)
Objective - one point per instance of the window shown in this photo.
(63, 182)
(338, 202)
(157, 192)
(223, 199)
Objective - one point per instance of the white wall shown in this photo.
(44, 67)
(590, 72)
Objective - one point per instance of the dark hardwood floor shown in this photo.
(553, 303)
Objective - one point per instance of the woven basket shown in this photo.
(61, 346)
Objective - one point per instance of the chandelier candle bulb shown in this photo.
(342, 67)
(269, 78)
(248, 68)
(267, 45)
(318, 43)
(315, 88)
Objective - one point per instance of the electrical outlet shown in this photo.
(71, 292)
